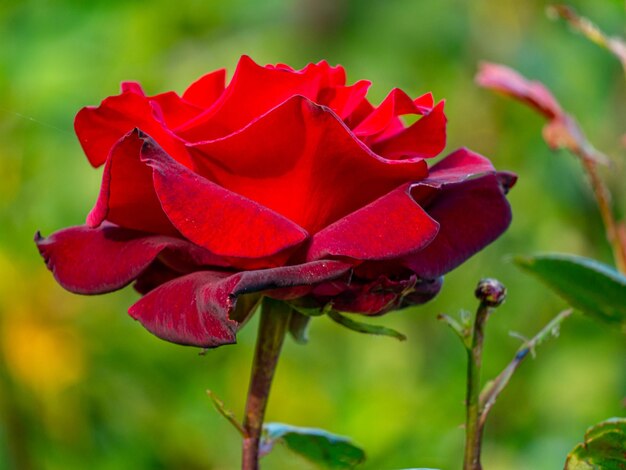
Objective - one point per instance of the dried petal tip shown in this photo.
(491, 292)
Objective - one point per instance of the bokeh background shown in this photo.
(84, 386)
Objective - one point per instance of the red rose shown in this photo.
(287, 183)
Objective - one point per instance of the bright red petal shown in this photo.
(397, 103)
(425, 138)
(173, 110)
(224, 222)
(207, 89)
(127, 197)
(388, 228)
(301, 161)
(99, 128)
(344, 100)
(253, 91)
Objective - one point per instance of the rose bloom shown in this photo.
(285, 183)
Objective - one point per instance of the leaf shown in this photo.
(365, 327)
(316, 445)
(592, 287)
(604, 448)
(299, 327)
(309, 309)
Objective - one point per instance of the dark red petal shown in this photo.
(509, 82)
(94, 261)
(207, 89)
(301, 161)
(379, 296)
(213, 217)
(388, 228)
(458, 166)
(99, 128)
(194, 309)
(471, 214)
(253, 91)
(127, 197)
(397, 103)
(425, 138)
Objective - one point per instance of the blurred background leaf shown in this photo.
(84, 386)
(604, 447)
(594, 288)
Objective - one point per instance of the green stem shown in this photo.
(272, 329)
(603, 199)
(473, 430)
(491, 392)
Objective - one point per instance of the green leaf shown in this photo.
(365, 327)
(604, 448)
(592, 287)
(299, 327)
(307, 308)
(316, 445)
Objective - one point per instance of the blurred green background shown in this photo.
(84, 386)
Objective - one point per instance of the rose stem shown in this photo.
(491, 294)
(603, 198)
(473, 433)
(272, 329)
(491, 392)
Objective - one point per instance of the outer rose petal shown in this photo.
(388, 228)
(301, 152)
(215, 218)
(194, 309)
(99, 128)
(471, 214)
(425, 138)
(95, 261)
(127, 197)
(379, 296)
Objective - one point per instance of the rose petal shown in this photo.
(99, 128)
(194, 309)
(425, 138)
(458, 166)
(397, 103)
(388, 228)
(127, 197)
(207, 89)
(98, 260)
(507, 81)
(344, 100)
(226, 223)
(253, 91)
(172, 109)
(297, 153)
(471, 214)
(377, 297)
